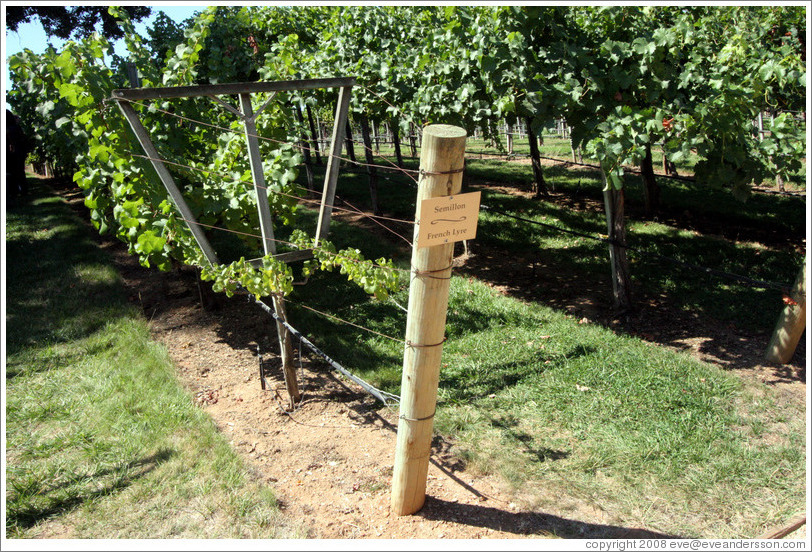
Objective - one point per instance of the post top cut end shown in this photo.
(445, 131)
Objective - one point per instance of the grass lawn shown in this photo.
(102, 441)
(565, 409)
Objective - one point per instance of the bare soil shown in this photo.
(330, 461)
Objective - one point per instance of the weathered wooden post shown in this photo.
(790, 324)
(441, 163)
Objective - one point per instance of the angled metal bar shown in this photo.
(168, 182)
(331, 174)
(227, 106)
(263, 106)
(229, 88)
(265, 220)
(243, 91)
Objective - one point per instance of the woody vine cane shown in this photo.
(441, 163)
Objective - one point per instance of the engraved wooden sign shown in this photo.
(448, 219)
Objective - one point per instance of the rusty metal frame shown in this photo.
(124, 97)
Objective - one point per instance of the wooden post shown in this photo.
(790, 324)
(396, 143)
(443, 151)
(790, 527)
(167, 180)
(350, 143)
(331, 173)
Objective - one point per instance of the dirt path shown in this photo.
(330, 461)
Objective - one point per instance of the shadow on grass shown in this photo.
(732, 318)
(50, 362)
(58, 284)
(49, 505)
(509, 425)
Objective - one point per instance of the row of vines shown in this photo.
(625, 78)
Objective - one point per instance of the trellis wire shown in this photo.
(291, 244)
(379, 394)
(392, 167)
(332, 316)
(354, 210)
(752, 282)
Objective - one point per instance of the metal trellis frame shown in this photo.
(124, 97)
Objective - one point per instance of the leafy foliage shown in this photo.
(123, 192)
(693, 79)
(690, 78)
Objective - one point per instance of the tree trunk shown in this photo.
(651, 189)
(314, 141)
(376, 137)
(413, 140)
(371, 170)
(614, 203)
(286, 352)
(396, 142)
(779, 181)
(306, 150)
(539, 185)
(350, 145)
(669, 167)
(509, 133)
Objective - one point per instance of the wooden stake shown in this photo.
(790, 324)
(442, 151)
(790, 527)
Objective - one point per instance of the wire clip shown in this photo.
(402, 417)
(419, 346)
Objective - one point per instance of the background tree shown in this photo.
(518, 52)
(67, 22)
(164, 36)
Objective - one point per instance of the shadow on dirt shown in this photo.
(528, 523)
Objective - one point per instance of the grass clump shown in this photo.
(102, 441)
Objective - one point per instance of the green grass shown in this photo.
(102, 440)
(563, 409)
(575, 409)
(567, 411)
(726, 300)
